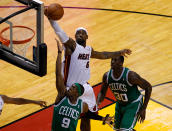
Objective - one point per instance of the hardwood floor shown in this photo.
(148, 36)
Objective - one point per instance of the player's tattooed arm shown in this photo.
(59, 79)
(103, 90)
(108, 55)
(135, 79)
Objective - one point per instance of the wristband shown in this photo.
(111, 123)
(105, 119)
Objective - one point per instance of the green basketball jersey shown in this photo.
(66, 114)
(123, 91)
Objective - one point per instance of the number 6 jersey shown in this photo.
(66, 114)
(75, 68)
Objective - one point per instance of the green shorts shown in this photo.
(125, 116)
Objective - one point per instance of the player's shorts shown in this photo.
(89, 97)
(126, 116)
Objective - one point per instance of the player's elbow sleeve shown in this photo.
(62, 36)
(60, 33)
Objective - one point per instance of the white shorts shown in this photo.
(89, 97)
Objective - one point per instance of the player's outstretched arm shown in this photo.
(59, 79)
(68, 43)
(103, 90)
(134, 78)
(58, 30)
(107, 55)
(21, 101)
(91, 115)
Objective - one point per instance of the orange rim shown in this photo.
(7, 42)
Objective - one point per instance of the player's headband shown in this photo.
(81, 28)
(78, 88)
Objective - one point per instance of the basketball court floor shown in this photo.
(143, 26)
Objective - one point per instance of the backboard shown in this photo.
(22, 36)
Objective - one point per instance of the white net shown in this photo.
(22, 38)
(21, 49)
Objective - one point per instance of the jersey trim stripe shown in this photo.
(118, 77)
(127, 78)
(107, 76)
(73, 104)
(82, 106)
(138, 99)
(135, 118)
(66, 68)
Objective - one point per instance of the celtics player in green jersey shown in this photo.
(68, 106)
(123, 83)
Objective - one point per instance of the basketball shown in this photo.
(54, 11)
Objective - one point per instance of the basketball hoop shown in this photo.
(22, 37)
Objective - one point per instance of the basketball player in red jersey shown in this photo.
(76, 64)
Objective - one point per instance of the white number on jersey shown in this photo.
(65, 122)
(120, 97)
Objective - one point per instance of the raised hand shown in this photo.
(125, 52)
(109, 120)
(42, 103)
(46, 11)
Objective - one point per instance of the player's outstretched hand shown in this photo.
(42, 103)
(125, 52)
(109, 120)
(59, 46)
(45, 11)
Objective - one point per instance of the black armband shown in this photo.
(92, 115)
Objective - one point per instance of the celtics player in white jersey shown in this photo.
(123, 83)
(18, 101)
(68, 106)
